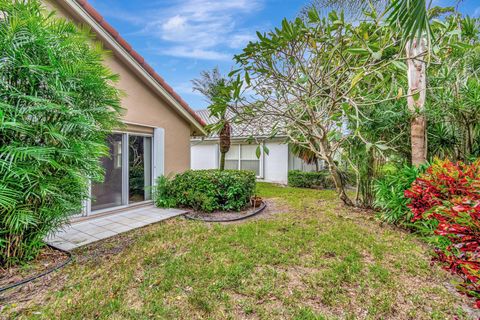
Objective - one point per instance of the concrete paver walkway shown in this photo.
(81, 233)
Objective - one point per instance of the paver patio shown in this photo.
(97, 228)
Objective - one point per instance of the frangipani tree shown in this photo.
(310, 74)
(411, 20)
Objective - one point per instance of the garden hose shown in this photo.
(260, 209)
(57, 267)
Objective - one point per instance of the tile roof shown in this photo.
(122, 42)
(253, 127)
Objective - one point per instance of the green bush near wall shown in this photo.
(58, 102)
(207, 190)
(301, 179)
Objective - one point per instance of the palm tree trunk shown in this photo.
(417, 78)
(225, 143)
(222, 161)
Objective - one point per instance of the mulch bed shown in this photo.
(225, 216)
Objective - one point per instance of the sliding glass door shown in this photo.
(109, 193)
(128, 172)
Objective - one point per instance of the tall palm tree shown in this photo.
(214, 87)
(411, 16)
(412, 20)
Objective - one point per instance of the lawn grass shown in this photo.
(307, 258)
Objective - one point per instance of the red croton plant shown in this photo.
(450, 193)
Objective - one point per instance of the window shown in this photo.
(243, 157)
(248, 158)
(232, 157)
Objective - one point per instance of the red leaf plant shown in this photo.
(450, 193)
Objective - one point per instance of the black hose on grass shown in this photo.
(254, 213)
(57, 267)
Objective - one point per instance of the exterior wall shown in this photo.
(295, 163)
(204, 155)
(276, 163)
(145, 109)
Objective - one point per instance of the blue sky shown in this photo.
(180, 38)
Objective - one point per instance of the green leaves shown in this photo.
(401, 66)
(411, 17)
(359, 51)
(313, 16)
(207, 190)
(258, 152)
(58, 104)
(357, 78)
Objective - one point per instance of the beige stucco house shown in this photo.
(159, 123)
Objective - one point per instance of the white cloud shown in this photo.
(202, 29)
(197, 53)
(174, 23)
(240, 40)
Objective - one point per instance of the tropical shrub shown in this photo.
(57, 104)
(301, 179)
(390, 195)
(207, 190)
(449, 194)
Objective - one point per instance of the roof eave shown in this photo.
(90, 16)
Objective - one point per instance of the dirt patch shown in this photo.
(39, 290)
(47, 259)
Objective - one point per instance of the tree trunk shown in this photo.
(335, 173)
(222, 161)
(417, 85)
(225, 143)
(339, 185)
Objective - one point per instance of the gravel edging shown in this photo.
(254, 213)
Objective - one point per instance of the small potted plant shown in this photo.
(255, 200)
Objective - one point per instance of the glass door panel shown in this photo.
(140, 168)
(109, 193)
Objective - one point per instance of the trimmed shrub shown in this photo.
(58, 102)
(301, 179)
(449, 194)
(207, 190)
(390, 195)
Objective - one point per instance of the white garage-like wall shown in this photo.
(204, 156)
(276, 163)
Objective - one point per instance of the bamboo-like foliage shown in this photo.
(57, 104)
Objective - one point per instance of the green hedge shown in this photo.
(301, 179)
(206, 190)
